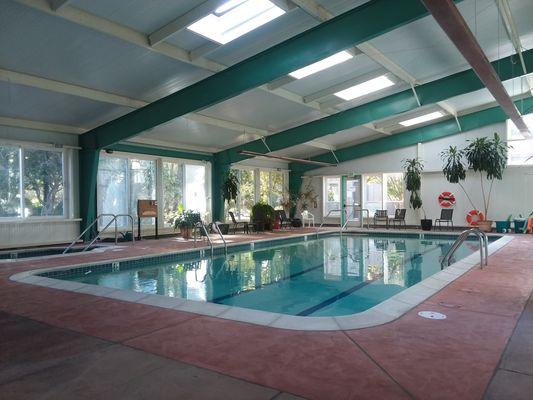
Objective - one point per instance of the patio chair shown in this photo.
(399, 217)
(381, 215)
(238, 224)
(446, 215)
(284, 220)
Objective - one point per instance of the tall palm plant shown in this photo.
(485, 156)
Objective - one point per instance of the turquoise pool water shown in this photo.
(328, 276)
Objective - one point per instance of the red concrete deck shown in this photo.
(411, 357)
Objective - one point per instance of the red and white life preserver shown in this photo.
(474, 216)
(446, 199)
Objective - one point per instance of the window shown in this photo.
(383, 192)
(9, 181)
(520, 150)
(122, 180)
(172, 191)
(270, 185)
(332, 195)
(31, 182)
(43, 183)
(195, 197)
(246, 198)
(235, 18)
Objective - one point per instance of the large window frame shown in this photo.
(520, 151)
(163, 224)
(66, 186)
(238, 209)
(383, 198)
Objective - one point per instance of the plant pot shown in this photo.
(519, 225)
(485, 226)
(186, 232)
(503, 226)
(426, 224)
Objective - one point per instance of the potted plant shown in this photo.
(486, 157)
(185, 221)
(413, 182)
(263, 216)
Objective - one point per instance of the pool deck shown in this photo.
(60, 344)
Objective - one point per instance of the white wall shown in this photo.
(513, 195)
(41, 231)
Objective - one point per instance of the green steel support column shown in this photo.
(218, 174)
(343, 190)
(88, 170)
(295, 183)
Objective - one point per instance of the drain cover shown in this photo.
(431, 315)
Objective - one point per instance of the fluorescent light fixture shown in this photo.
(362, 89)
(422, 118)
(321, 65)
(235, 18)
(290, 159)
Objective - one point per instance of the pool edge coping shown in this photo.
(387, 311)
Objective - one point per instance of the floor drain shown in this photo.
(431, 315)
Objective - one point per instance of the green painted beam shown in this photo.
(358, 25)
(88, 166)
(420, 135)
(160, 152)
(429, 93)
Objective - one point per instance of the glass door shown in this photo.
(352, 198)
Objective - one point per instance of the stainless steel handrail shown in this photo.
(113, 219)
(323, 220)
(361, 210)
(217, 229)
(87, 229)
(483, 247)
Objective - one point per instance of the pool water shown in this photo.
(330, 276)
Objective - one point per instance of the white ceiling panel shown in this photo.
(42, 45)
(260, 109)
(23, 102)
(141, 15)
(184, 131)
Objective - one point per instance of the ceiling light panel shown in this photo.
(321, 65)
(235, 18)
(423, 118)
(362, 89)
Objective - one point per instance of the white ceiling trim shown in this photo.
(40, 126)
(67, 88)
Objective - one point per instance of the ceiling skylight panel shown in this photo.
(422, 118)
(362, 89)
(321, 65)
(235, 18)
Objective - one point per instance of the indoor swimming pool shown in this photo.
(333, 275)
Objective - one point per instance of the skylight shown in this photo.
(422, 118)
(235, 18)
(321, 65)
(371, 86)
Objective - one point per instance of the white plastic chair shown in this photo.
(308, 217)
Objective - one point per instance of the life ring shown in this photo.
(446, 199)
(474, 216)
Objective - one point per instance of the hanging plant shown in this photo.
(230, 187)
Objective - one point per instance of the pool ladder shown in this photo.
(483, 247)
(341, 226)
(114, 218)
(215, 228)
